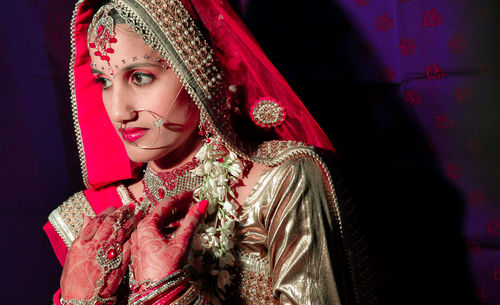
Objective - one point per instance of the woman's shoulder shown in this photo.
(285, 160)
(67, 218)
(289, 162)
(275, 152)
(281, 156)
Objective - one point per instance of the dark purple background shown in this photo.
(420, 149)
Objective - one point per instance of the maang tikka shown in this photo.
(102, 34)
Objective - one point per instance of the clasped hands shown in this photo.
(153, 253)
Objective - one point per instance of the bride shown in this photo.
(203, 174)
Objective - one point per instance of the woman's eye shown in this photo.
(106, 83)
(141, 79)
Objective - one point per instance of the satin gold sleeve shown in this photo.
(298, 224)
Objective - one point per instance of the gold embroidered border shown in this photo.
(67, 218)
(252, 263)
(74, 107)
(275, 152)
(255, 284)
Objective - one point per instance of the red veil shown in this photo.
(246, 65)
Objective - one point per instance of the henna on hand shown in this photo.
(91, 225)
(81, 270)
(155, 254)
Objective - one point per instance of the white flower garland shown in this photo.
(221, 170)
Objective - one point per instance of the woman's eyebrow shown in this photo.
(140, 65)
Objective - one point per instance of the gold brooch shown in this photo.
(267, 112)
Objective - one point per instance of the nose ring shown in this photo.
(158, 123)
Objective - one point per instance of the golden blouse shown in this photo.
(282, 228)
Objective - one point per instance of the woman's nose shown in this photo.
(121, 105)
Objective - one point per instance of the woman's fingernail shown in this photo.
(202, 206)
(131, 206)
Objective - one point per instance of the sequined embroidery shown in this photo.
(67, 218)
(278, 151)
(252, 262)
(254, 280)
(256, 288)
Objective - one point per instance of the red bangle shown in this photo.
(167, 288)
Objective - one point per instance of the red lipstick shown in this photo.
(132, 134)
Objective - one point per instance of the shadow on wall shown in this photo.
(411, 215)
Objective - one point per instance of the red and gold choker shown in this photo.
(160, 185)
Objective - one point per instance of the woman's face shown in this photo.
(141, 90)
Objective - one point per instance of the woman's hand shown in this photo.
(156, 254)
(81, 269)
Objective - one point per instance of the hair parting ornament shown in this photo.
(101, 34)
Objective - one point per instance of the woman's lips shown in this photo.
(132, 134)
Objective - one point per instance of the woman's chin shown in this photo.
(144, 155)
